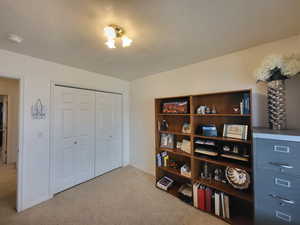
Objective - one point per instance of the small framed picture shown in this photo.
(186, 128)
(235, 131)
(167, 141)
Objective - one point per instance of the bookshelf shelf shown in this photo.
(173, 171)
(223, 163)
(225, 104)
(222, 115)
(226, 189)
(175, 133)
(174, 114)
(224, 139)
(175, 151)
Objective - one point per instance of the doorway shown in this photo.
(3, 129)
(9, 142)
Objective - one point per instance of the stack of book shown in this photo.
(164, 183)
(245, 104)
(211, 201)
(162, 159)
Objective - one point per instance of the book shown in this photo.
(195, 194)
(164, 183)
(158, 160)
(223, 205)
(201, 198)
(165, 157)
(227, 209)
(208, 193)
(217, 204)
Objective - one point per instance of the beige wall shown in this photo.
(10, 87)
(229, 72)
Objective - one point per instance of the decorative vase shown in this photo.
(276, 104)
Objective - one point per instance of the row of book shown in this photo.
(162, 159)
(211, 201)
(245, 104)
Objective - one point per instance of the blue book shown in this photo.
(246, 105)
(158, 160)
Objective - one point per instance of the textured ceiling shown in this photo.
(167, 34)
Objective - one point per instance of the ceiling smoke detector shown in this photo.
(15, 38)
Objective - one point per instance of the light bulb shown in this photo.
(126, 41)
(110, 32)
(110, 43)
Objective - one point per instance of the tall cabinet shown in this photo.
(277, 177)
(87, 135)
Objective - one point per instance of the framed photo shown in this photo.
(167, 141)
(175, 107)
(235, 131)
(186, 128)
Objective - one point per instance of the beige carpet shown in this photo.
(125, 196)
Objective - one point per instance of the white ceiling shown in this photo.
(167, 34)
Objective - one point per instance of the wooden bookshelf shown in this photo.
(224, 102)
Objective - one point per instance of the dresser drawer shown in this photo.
(269, 211)
(280, 186)
(279, 156)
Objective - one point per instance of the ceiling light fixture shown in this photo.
(112, 32)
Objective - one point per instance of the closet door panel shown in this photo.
(103, 133)
(116, 137)
(84, 153)
(64, 137)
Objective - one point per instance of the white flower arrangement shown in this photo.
(287, 65)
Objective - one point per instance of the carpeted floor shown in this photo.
(125, 196)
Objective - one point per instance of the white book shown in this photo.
(217, 204)
(195, 194)
(223, 205)
(226, 199)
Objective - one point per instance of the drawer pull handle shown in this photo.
(282, 165)
(282, 149)
(285, 200)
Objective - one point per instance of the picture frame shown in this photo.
(186, 128)
(235, 131)
(167, 141)
(175, 107)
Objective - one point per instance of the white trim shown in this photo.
(277, 137)
(20, 153)
(51, 125)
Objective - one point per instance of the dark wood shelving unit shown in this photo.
(224, 103)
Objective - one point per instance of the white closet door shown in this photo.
(108, 132)
(85, 136)
(103, 132)
(64, 138)
(116, 137)
(73, 137)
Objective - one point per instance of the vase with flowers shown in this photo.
(274, 70)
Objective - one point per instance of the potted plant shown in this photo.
(274, 70)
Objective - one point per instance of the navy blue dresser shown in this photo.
(276, 161)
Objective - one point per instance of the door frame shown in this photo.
(4, 128)
(52, 124)
(20, 153)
